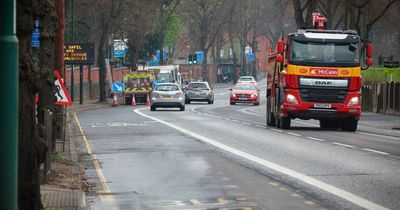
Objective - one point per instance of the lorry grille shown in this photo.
(323, 96)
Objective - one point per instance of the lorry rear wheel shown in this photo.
(349, 124)
(270, 115)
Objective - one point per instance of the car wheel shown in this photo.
(209, 102)
(182, 108)
(152, 108)
(232, 103)
(187, 101)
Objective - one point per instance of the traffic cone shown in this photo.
(148, 100)
(133, 100)
(115, 100)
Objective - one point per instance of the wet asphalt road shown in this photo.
(160, 160)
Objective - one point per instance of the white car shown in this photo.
(167, 95)
(247, 79)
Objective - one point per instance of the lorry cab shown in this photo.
(317, 75)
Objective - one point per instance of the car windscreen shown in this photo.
(246, 79)
(244, 87)
(324, 54)
(197, 86)
(167, 88)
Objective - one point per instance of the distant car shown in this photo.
(199, 91)
(167, 95)
(245, 93)
(247, 79)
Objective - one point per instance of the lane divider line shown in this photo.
(362, 202)
(344, 145)
(105, 196)
(315, 139)
(378, 135)
(293, 134)
(246, 123)
(375, 151)
(274, 129)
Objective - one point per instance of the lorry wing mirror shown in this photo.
(279, 58)
(280, 47)
(369, 50)
(369, 62)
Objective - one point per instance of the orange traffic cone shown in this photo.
(133, 100)
(148, 100)
(115, 100)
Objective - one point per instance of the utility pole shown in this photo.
(9, 109)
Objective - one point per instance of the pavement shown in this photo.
(56, 197)
(62, 196)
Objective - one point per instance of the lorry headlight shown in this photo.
(354, 101)
(291, 99)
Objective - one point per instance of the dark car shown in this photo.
(199, 91)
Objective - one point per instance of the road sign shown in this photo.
(119, 53)
(155, 83)
(79, 53)
(250, 57)
(61, 91)
(118, 87)
(35, 37)
(200, 56)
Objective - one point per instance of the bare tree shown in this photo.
(137, 21)
(206, 18)
(303, 10)
(103, 16)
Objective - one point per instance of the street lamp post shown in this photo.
(9, 109)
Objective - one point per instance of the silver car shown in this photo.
(199, 91)
(167, 95)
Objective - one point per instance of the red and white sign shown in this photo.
(324, 71)
(61, 91)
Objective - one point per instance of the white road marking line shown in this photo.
(316, 139)
(249, 112)
(378, 135)
(293, 134)
(344, 145)
(281, 169)
(236, 121)
(259, 126)
(226, 118)
(274, 129)
(375, 151)
(246, 123)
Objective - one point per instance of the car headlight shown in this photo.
(254, 95)
(354, 101)
(291, 99)
(233, 95)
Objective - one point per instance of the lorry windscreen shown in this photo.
(324, 54)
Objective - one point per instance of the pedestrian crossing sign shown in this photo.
(61, 92)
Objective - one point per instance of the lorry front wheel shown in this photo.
(349, 124)
(285, 122)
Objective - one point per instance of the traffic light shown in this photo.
(190, 59)
(195, 58)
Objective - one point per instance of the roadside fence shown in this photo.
(381, 98)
